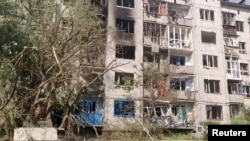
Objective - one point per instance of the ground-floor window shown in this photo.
(235, 110)
(214, 112)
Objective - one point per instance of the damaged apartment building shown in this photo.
(201, 51)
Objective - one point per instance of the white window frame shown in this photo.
(242, 47)
(206, 14)
(234, 68)
(213, 64)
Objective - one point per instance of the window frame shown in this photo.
(212, 89)
(120, 104)
(211, 114)
(119, 76)
(239, 26)
(179, 60)
(124, 23)
(207, 15)
(242, 71)
(242, 47)
(122, 51)
(122, 3)
(181, 83)
(211, 61)
(228, 18)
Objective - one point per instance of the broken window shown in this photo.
(156, 32)
(180, 112)
(150, 56)
(125, 25)
(124, 108)
(89, 106)
(126, 3)
(242, 46)
(208, 37)
(177, 60)
(124, 78)
(207, 14)
(235, 110)
(210, 61)
(240, 26)
(212, 86)
(244, 68)
(125, 52)
(214, 112)
(233, 87)
(177, 84)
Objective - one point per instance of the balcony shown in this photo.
(229, 29)
(236, 98)
(181, 95)
(181, 2)
(180, 21)
(177, 44)
(172, 95)
(124, 36)
(232, 52)
(233, 75)
(178, 69)
(231, 42)
(233, 70)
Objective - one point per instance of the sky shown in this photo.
(247, 1)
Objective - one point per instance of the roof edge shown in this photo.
(235, 5)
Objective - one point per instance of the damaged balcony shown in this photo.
(164, 12)
(170, 115)
(231, 42)
(229, 25)
(181, 88)
(178, 14)
(178, 64)
(125, 31)
(167, 37)
(229, 29)
(90, 112)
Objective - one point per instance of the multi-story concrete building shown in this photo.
(204, 44)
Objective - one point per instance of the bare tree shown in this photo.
(61, 61)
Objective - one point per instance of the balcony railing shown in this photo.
(228, 29)
(125, 36)
(181, 95)
(180, 21)
(232, 52)
(178, 69)
(236, 98)
(231, 42)
(233, 74)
